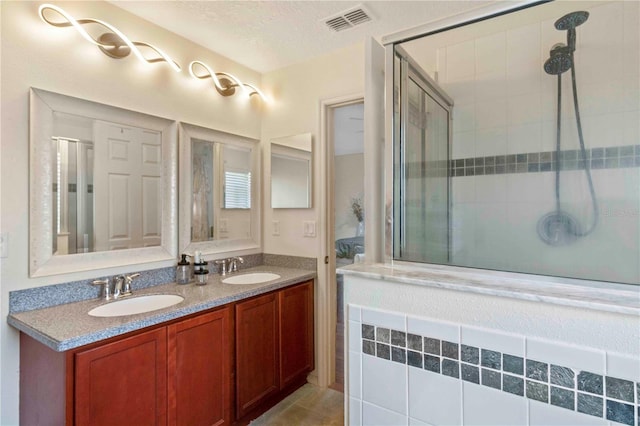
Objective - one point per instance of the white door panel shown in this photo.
(127, 217)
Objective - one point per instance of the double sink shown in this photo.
(142, 304)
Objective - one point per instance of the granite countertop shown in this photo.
(610, 297)
(68, 326)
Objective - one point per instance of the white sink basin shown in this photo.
(253, 278)
(136, 305)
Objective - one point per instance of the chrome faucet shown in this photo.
(121, 286)
(106, 289)
(223, 264)
(233, 267)
(228, 265)
(128, 279)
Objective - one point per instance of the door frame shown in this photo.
(327, 300)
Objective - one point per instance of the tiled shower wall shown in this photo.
(505, 106)
(418, 371)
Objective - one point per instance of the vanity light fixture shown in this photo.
(112, 43)
(224, 82)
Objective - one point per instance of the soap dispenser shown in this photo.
(183, 271)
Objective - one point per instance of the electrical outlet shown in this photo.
(276, 228)
(4, 244)
(309, 228)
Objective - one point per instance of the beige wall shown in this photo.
(299, 90)
(349, 172)
(35, 54)
(60, 60)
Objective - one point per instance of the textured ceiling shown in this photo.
(267, 35)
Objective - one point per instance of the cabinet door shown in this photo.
(296, 333)
(200, 367)
(123, 382)
(256, 352)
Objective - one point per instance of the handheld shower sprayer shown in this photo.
(559, 227)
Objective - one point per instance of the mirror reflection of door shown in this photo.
(128, 177)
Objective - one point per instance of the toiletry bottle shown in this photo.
(198, 262)
(202, 275)
(183, 271)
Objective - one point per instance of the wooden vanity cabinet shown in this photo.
(274, 348)
(177, 373)
(200, 367)
(123, 382)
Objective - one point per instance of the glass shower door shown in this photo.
(422, 159)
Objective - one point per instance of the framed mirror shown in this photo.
(102, 186)
(219, 197)
(291, 171)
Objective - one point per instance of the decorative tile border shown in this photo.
(534, 162)
(607, 397)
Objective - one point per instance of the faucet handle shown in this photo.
(222, 266)
(128, 279)
(106, 289)
(234, 263)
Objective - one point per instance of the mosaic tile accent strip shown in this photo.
(611, 398)
(616, 157)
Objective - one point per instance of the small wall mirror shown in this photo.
(218, 191)
(102, 182)
(291, 171)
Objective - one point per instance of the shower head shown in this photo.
(560, 60)
(572, 20)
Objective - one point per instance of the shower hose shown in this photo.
(583, 151)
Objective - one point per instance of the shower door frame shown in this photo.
(409, 69)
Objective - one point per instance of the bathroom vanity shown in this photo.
(226, 354)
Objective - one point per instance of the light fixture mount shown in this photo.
(112, 43)
(228, 88)
(113, 46)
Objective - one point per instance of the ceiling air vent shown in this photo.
(348, 19)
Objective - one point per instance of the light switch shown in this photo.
(309, 228)
(223, 225)
(276, 228)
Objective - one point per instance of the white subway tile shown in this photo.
(414, 422)
(486, 406)
(494, 340)
(373, 415)
(576, 357)
(354, 332)
(464, 144)
(434, 398)
(491, 53)
(434, 329)
(354, 312)
(490, 114)
(384, 383)
(491, 142)
(460, 61)
(524, 138)
(623, 366)
(490, 85)
(464, 117)
(541, 414)
(355, 412)
(523, 109)
(386, 319)
(464, 190)
(355, 376)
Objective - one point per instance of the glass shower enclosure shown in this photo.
(422, 158)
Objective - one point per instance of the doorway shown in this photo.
(346, 208)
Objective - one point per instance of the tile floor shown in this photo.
(308, 406)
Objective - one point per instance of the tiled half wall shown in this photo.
(410, 370)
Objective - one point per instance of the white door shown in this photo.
(127, 187)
